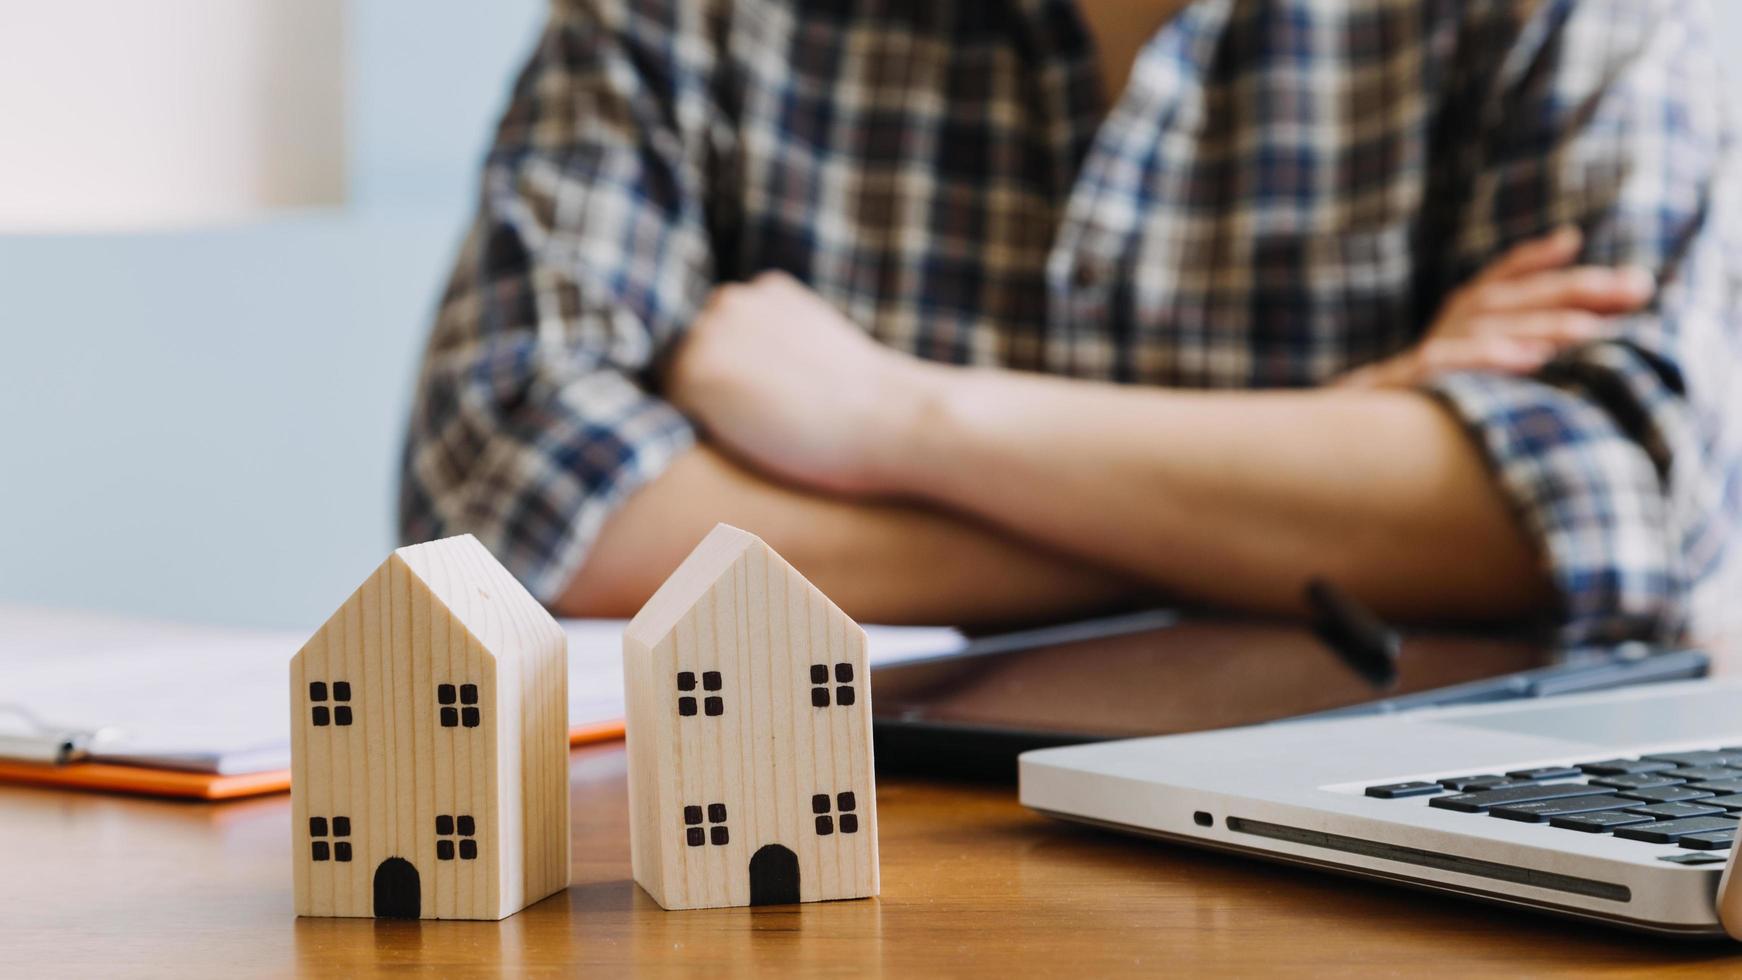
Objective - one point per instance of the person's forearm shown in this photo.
(1233, 498)
(880, 563)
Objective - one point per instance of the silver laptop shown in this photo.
(1618, 807)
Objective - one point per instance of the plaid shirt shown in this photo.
(1286, 189)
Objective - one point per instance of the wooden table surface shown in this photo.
(973, 885)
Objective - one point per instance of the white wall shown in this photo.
(168, 113)
(206, 425)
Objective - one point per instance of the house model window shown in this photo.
(826, 822)
(717, 833)
(713, 705)
(467, 713)
(321, 714)
(319, 832)
(451, 830)
(843, 690)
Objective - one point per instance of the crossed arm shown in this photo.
(913, 491)
(548, 421)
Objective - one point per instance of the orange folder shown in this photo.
(179, 784)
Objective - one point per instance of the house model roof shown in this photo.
(719, 554)
(482, 596)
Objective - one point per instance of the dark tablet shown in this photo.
(969, 715)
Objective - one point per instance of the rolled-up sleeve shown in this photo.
(1622, 457)
(536, 412)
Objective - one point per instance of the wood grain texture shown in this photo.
(429, 744)
(1730, 898)
(750, 776)
(974, 886)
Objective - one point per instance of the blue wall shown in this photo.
(204, 425)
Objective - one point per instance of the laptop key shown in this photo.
(1529, 793)
(1702, 774)
(1667, 794)
(1597, 823)
(1693, 857)
(1542, 810)
(1717, 840)
(1638, 780)
(1396, 791)
(1469, 784)
(1675, 811)
(1695, 757)
(1544, 772)
(1733, 802)
(1667, 831)
(1617, 767)
(1720, 785)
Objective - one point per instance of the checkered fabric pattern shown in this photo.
(1285, 190)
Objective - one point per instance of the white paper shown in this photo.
(214, 700)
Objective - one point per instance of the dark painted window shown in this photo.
(448, 828)
(713, 705)
(716, 831)
(843, 693)
(324, 714)
(467, 713)
(323, 849)
(846, 820)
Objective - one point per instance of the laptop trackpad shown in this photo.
(1691, 716)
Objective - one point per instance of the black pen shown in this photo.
(1355, 633)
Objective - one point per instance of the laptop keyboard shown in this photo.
(1691, 799)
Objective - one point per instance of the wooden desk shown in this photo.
(972, 885)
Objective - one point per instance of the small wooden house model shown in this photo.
(429, 744)
(749, 728)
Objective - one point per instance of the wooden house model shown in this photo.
(429, 744)
(749, 728)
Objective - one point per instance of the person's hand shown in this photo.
(1516, 316)
(783, 380)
